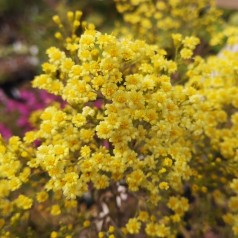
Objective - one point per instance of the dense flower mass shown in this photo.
(147, 137)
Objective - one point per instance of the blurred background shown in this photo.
(26, 31)
(228, 3)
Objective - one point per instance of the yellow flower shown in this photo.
(66, 65)
(100, 234)
(111, 229)
(56, 19)
(234, 185)
(14, 183)
(143, 216)
(55, 210)
(135, 179)
(54, 234)
(78, 120)
(100, 181)
(177, 38)
(85, 151)
(42, 196)
(103, 130)
(164, 186)
(86, 223)
(191, 42)
(55, 55)
(133, 226)
(151, 229)
(186, 53)
(23, 202)
(233, 204)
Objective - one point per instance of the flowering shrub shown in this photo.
(146, 145)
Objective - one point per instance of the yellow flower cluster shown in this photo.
(129, 135)
(143, 115)
(216, 79)
(155, 21)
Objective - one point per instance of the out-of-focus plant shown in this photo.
(146, 145)
(155, 21)
(30, 22)
(16, 120)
